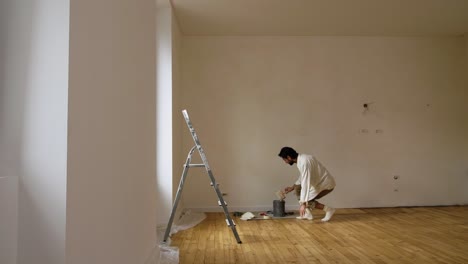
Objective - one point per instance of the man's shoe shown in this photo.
(307, 215)
(328, 213)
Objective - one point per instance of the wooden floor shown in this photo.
(387, 235)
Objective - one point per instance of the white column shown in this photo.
(111, 199)
(164, 114)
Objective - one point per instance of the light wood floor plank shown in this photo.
(374, 235)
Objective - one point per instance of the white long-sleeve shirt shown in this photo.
(313, 177)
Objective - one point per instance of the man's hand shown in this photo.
(302, 210)
(289, 189)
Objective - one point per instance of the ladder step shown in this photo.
(217, 184)
(227, 222)
(219, 203)
(196, 165)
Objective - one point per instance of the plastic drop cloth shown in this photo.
(188, 219)
(168, 255)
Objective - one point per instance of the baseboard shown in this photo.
(210, 209)
(231, 209)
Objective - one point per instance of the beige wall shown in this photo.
(111, 199)
(249, 96)
(466, 115)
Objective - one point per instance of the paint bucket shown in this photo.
(278, 208)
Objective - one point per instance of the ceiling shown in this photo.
(322, 17)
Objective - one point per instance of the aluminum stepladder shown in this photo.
(205, 164)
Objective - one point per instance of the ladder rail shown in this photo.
(231, 223)
(179, 193)
(205, 164)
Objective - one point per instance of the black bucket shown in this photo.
(278, 208)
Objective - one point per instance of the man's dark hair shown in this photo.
(287, 151)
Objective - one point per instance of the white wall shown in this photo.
(163, 134)
(34, 82)
(178, 128)
(111, 205)
(250, 96)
